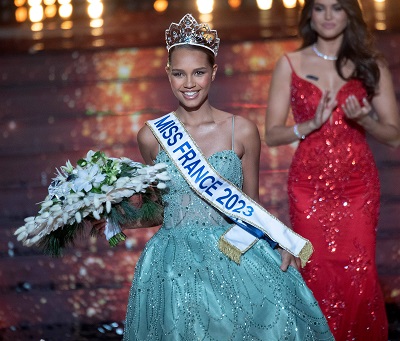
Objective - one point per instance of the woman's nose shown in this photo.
(190, 83)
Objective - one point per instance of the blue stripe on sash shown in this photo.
(254, 231)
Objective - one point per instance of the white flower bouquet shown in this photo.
(98, 187)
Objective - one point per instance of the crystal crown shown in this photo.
(188, 31)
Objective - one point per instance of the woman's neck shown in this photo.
(204, 114)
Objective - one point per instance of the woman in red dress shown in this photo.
(339, 89)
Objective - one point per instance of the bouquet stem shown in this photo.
(113, 233)
(119, 237)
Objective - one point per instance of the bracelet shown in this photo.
(297, 133)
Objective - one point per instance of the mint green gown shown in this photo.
(185, 289)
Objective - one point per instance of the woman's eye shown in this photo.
(177, 74)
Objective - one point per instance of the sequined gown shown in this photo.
(334, 202)
(184, 288)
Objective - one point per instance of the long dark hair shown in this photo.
(357, 45)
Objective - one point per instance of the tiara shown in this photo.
(188, 31)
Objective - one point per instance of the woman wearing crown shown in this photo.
(214, 271)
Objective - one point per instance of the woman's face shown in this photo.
(190, 75)
(328, 18)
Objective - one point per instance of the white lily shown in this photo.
(68, 168)
(108, 206)
(161, 185)
(22, 236)
(86, 178)
(78, 217)
(47, 203)
(96, 215)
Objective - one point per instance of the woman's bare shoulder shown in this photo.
(245, 127)
(145, 135)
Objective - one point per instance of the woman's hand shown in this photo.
(288, 259)
(98, 225)
(136, 200)
(354, 111)
(325, 107)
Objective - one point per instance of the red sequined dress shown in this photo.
(334, 196)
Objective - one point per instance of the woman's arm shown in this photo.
(250, 139)
(248, 136)
(148, 145)
(276, 131)
(380, 118)
(137, 201)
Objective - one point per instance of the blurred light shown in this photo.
(36, 13)
(95, 10)
(49, 2)
(34, 3)
(264, 4)
(96, 32)
(65, 11)
(301, 2)
(64, 2)
(35, 27)
(160, 5)
(205, 18)
(98, 43)
(379, 5)
(205, 6)
(37, 35)
(50, 11)
(380, 15)
(21, 14)
(67, 25)
(19, 3)
(96, 23)
(235, 3)
(264, 18)
(289, 3)
(380, 26)
(37, 47)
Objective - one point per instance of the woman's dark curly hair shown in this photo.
(357, 45)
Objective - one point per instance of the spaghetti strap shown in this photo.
(290, 63)
(233, 132)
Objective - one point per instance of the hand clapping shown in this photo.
(354, 111)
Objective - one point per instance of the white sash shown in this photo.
(252, 220)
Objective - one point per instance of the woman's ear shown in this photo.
(214, 71)
(167, 70)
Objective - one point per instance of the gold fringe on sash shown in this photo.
(306, 253)
(234, 253)
(229, 250)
